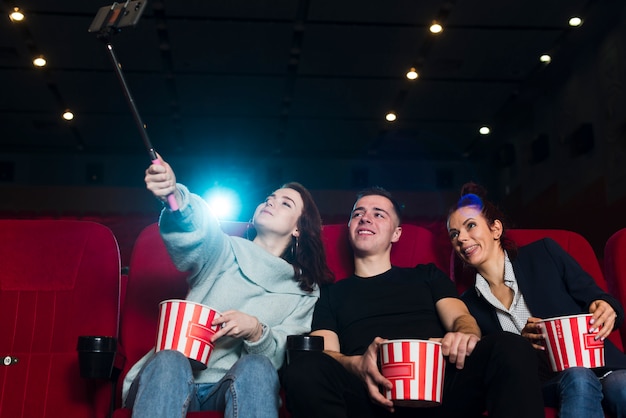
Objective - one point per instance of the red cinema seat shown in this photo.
(615, 269)
(152, 278)
(415, 246)
(59, 279)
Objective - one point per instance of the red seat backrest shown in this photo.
(59, 279)
(575, 244)
(615, 269)
(152, 278)
(415, 246)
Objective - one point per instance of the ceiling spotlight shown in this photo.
(412, 74)
(68, 115)
(436, 28)
(484, 130)
(575, 21)
(16, 15)
(39, 61)
(545, 58)
(391, 116)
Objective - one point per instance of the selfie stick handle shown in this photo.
(171, 199)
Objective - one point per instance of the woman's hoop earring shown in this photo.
(248, 227)
(294, 248)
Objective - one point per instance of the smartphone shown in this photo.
(118, 15)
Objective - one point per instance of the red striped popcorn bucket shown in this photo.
(416, 370)
(570, 344)
(186, 327)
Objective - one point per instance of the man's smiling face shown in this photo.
(373, 225)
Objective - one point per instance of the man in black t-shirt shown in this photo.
(355, 315)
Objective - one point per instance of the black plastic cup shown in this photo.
(96, 355)
(299, 343)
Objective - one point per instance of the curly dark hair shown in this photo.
(473, 194)
(306, 252)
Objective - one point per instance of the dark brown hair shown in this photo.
(306, 252)
(379, 191)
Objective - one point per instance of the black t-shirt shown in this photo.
(399, 303)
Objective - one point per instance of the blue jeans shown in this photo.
(579, 393)
(165, 388)
(614, 388)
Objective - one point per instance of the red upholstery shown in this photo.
(58, 280)
(152, 278)
(575, 244)
(415, 246)
(615, 269)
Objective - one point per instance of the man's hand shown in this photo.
(365, 367)
(457, 346)
(463, 331)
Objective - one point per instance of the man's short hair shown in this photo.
(379, 191)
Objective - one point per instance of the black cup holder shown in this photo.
(96, 355)
(298, 343)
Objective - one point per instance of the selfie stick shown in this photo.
(110, 24)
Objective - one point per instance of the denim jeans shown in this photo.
(165, 388)
(614, 388)
(579, 393)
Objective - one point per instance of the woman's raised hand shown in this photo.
(161, 180)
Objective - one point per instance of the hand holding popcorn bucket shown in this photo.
(416, 370)
(186, 327)
(570, 344)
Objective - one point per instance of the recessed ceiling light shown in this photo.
(484, 130)
(412, 74)
(39, 61)
(391, 116)
(16, 15)
(436, 28)
(68, 115)
(545, 58)
(575, 21)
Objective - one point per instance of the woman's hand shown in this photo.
(532, 331)
(161, 181)
(603, 318)
(237, 324)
